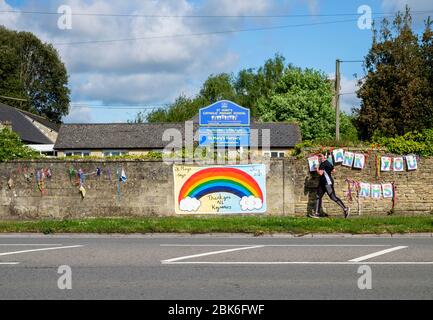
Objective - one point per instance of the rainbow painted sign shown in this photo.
(220, 189)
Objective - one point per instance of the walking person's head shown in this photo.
(321, 157)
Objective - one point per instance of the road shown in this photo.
(171, 267)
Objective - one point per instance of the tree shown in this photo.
(140, 117)
(305, 97)
(32, 70)
(245, 89)
(396, 93)
(11, 147)
(218, 87)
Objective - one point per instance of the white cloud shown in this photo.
(349, 100)
(414, 5)
(251, 203)
(189, 204)
(80, 114)
(144, 71)
(6, 18)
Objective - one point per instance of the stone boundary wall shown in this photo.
(149, 189)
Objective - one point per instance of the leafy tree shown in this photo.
(218, 87)
(11, 147)
(140, 117)
(32, 70)
(305, 97)
(396, 93)
(245, 89)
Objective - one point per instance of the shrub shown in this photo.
(11, 147)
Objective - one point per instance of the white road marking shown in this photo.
(30, 244)
(208, 254)
(275, 245)
(375, 254)
(35, 250)
(302, 262)
(8, 263)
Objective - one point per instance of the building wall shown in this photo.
(149, 189)
(137, 152)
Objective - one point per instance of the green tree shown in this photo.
(33, 70)
(305, 97)
(218, 87)
(396, 90)
(245, 89)
(11, 147)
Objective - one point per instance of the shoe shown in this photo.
(313, 215)
(346, 212)
(324, 215)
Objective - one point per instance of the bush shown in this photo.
(420, 143)
(11, 147)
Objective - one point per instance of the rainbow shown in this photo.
(213, 180)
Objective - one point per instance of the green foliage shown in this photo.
(11, 147)
(245, 89)
(420, 143)
(305, 97)
(32, 70)
(274, 93)
(397, 92)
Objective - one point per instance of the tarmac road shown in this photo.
(172, 267)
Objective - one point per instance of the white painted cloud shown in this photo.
(251, 203)
(189, 204)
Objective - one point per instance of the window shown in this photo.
(114, 153)
(274, 154)
(77, 153)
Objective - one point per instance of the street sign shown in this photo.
(224, 113)
(224, 137)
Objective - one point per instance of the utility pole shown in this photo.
(337, 99)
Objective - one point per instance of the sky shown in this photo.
(153, 60)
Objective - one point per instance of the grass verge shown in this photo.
(226, 224)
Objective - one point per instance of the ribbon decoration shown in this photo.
(71, 173)
(10, 183)
(40, 180)
(394, 195)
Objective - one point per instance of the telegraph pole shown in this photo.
(337, 99)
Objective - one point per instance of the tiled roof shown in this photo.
(22, 126)
(150, 135)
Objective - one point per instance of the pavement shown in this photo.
(216, 267)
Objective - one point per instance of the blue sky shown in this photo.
(152, 72)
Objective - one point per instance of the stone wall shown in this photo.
(149, 189)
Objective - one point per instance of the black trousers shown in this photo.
(329, 189)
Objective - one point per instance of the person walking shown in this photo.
(326, 185)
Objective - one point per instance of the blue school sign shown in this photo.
(225, 114)
(224, 137)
